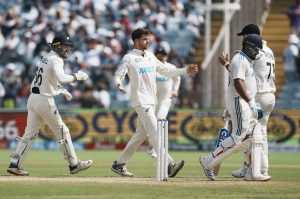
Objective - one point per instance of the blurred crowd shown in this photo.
(291, 54)
(101, 30)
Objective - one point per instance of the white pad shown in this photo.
(257, 151)
(227, 148)
(67, 147)
(22, 149)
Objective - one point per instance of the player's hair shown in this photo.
(138, 33)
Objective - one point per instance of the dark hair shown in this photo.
(160, 51)
(138, 33)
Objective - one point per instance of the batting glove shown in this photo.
(81, 76)
(67, 95)
(256, 109)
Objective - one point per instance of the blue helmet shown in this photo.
(251, 45)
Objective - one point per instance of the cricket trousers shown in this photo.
(147, 125)
(162, 108)
(43, 109)
(267, 103)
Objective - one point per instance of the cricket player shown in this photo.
(41, 107)
(167, 90)
(240, 102)
(264, 67)
(142, 67)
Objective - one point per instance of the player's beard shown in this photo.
(145, 46)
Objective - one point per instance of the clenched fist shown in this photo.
(192, 69)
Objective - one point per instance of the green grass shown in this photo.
(50, 178)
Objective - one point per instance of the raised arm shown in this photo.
(224, 60)
(60, 73)
(174, 72)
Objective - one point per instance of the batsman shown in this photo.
(240, 102)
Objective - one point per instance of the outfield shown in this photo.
(50, 178)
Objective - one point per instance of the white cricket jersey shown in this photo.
(165, 85)
(241, 68)
(141, 68)
(264, 69)
(50, 75)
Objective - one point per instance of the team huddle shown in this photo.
(153, 82)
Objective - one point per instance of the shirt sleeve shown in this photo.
(176, 81)
(60, 73)
(122, 70)
(168, 71)
(238, 70)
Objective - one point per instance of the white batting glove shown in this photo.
(256, 109)
(66, 93)
(81, 76)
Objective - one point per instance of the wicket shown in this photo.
(162, 150)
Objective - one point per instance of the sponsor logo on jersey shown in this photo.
(162, 79)
(147, 69)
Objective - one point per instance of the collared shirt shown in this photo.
(141, 68)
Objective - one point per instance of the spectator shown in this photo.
(293, 13)
(2, 92)
(290, 57)
(102, 96)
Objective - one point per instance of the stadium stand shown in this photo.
(102, 31)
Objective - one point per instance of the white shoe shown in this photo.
(208, 172)
(82, 165)
(120, 169)
(240, 173)
(249, 177)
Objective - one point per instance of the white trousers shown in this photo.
(42, 108)
(267, 103)
(162, 108)
(147, 125)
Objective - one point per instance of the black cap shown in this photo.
(249, 29)
(61, 39)
(160, 51)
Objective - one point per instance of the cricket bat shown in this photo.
(223, 134)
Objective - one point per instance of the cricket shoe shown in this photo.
(120, 169)
(15, 170)
(174, 168)
(208, 172)
(241, 172)
(249, 176)
(82, 165)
